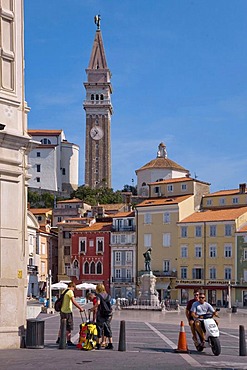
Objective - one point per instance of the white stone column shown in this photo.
(14, 145)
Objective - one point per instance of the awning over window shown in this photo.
(205, 287)
(162, 285)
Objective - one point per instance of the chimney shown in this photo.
(242, 188)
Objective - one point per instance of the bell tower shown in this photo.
(98, 110)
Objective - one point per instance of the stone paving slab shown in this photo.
(144, 348)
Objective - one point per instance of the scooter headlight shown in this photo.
(211, 326)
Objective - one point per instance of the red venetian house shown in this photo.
(91, 253)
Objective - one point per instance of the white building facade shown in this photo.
(32, 267)
(54, 162)
(14, 146)
(123, 255)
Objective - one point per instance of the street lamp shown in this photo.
(229, 295)
(169, 291)
(48, 289)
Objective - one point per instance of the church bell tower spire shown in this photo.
(98, 110)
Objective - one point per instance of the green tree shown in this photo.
(34, 199)
(43, 200)
(94, 196)
(130, 188)
(48, 200)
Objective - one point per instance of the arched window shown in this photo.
(97, 96)
(101, 97)
(92, 268)
(86, 268)
(45, 141)
(92, 96)
(99, 245)
(99, 268)
(75, 264)
(82, 245)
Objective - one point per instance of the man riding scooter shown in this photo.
(198, 310)
(189, 315)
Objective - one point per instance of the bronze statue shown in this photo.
(147, 257)
(97, 21)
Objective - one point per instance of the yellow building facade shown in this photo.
(157, 228)
(226, 198)
(207, 250)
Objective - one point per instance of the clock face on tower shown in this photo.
(96, 133)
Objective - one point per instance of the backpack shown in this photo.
(105, 307)
(59, 301)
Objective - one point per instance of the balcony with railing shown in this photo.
(72, 271)
(32, 269)
(123, 228)
(121, 239)
(122, 280)
(123, 263)
(97, 102)
(160, 273)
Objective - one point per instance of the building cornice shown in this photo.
(14, 141)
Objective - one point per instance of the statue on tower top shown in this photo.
(162, 153)
(97, 21)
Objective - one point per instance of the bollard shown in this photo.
(122, 342)
(62, 343)
(242, 343)
(23, 337)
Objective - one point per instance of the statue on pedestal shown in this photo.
(148, 293)
(147, 256)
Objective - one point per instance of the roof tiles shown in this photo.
(98, 226)
(229, 214)
(44, 132)
(224, 192)
(162, 163)
(163, 201)
(124, 214)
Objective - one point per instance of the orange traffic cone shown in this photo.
(182, 342)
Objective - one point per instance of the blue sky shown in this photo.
(179, 75)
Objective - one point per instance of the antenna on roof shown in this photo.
(196, 176)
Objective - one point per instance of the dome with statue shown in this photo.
(158, 169)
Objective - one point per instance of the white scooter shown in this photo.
(212, 334)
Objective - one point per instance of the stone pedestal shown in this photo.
(148, 293)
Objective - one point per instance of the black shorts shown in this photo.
(69, 320)
(104, 325)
